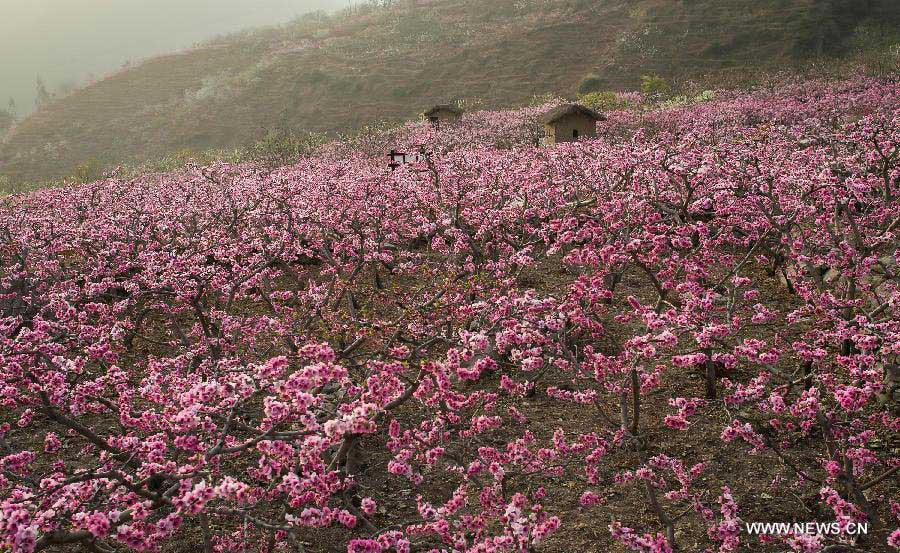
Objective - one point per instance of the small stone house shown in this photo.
(570, 122)
(442, 113)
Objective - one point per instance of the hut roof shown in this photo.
(559, 112)
(444, 107)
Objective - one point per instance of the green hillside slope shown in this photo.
(338, 73)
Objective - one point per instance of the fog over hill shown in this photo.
(66, 42)
(384, 61)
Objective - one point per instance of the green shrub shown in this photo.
(590, 83)
(683, 100)
(603, 101)
(88, 171)
(705, 96)
(654, 87)
(281, 147)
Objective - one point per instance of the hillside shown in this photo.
(335, 74)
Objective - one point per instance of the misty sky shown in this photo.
(64, 41)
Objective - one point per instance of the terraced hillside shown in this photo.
(338, 73)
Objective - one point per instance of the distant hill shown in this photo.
(337, 73)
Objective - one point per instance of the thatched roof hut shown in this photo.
(570, 122)
(567, 110)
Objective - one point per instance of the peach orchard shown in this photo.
(234, 358)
